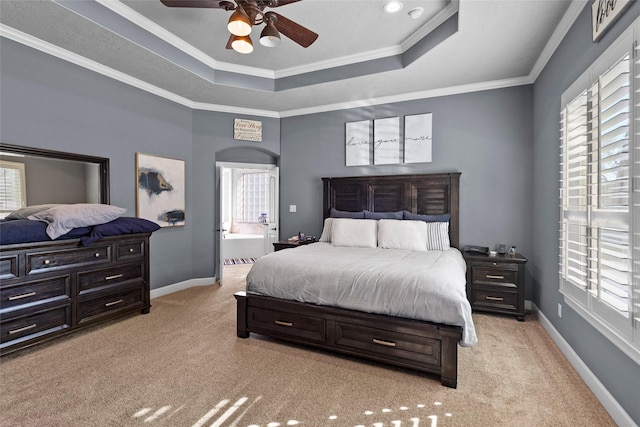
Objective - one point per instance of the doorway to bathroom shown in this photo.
(249, 217)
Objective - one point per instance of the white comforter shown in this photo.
(417, 285)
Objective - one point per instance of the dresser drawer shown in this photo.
(108, 304)
(494, 275)
(8, 266)
(39, 291)
(130, 250)
(90, 280)
(308, 328)
(413, 348)
(495, 298)
(35, 324)
(41, 262)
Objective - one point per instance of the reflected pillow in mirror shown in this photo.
(63, 218)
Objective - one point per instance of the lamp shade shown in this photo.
(239, 23)
(270, 37)
(242, 44)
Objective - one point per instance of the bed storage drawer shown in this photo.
(285, 324)
(41, 262)
(40, 291)
(32, 325)
(415, 349)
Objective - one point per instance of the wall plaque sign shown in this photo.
(247, 130)
(357, 143)
(604, 13)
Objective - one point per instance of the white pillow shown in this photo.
(362, 233)
(402, 234)
(438, 236)
(64, 218)
(326, 231)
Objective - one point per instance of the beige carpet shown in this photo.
(182, 365)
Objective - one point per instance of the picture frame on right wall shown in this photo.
(418, 138)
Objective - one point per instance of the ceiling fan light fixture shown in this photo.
(393, 6)
(270, 37)
(242, 44)
(239, 23)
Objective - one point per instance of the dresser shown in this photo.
(496, 283)
(52, 288)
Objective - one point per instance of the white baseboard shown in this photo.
(607, 400)
(165, 290)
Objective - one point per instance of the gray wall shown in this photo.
(484, 135)
(613, 368)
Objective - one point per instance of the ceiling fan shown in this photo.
(248, 13)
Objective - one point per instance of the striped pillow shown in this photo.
(438, 236)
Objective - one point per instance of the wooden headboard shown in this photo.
(429, 194)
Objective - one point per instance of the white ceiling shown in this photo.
(362, 56)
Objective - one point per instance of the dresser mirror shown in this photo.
(48, 176)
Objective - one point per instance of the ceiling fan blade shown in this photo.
(296, 32)
(277, 3)
(229, 42)
(214, 4)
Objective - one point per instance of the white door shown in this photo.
(272, 231)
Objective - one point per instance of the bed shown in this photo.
(295, 311)
(63, 267)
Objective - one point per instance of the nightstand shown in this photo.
(285, 244)
(496, 283)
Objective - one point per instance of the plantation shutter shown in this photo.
(596, 249)
(635, 195)
(573, 250)
(12, 187)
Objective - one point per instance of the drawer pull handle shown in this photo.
(384, 343)
(25, 328)
(491, 276)
(47, 262)
(131, 250)
(115, 276)
(494, 298)
(27, 295)
(281, 323)
(97, 255)
(109, 304)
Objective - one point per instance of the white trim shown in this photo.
(432, 24)
(607, 400)
(58, 52)
(169, 289)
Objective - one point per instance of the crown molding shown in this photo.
(441, 17)
(58, 52)
(559, 33)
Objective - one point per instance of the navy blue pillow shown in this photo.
(427, 218)
(346, 214)
(119, 226)
(383, 215)
(28, 231)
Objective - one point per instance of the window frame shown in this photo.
(623, 332)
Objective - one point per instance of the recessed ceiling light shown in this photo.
(416, 12)
(393, 6)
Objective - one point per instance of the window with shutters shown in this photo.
(600, 195)
(12, 187)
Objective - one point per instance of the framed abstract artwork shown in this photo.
(160, 185)
(418, 138)
(386, 141)
(357, 143)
